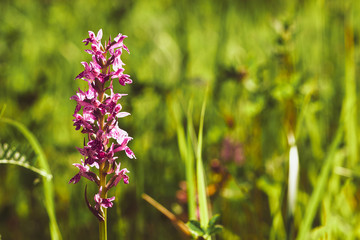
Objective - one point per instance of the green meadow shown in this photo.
(246, 109)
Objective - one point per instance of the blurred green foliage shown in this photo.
(272, 67)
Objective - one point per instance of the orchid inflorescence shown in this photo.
(99, 119)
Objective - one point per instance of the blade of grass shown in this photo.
(176, 111)
(47, 184)
(201, 182)
(186, 153)
(350, 90)
(2, 111)
(318, 192)
(177, 223)
(190, 171)
(27, 166)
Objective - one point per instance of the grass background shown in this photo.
(271, 66)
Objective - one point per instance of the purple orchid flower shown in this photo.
(96, 114)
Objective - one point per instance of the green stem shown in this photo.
(103, 224)
(103, 228)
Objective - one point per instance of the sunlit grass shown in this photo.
(274, 67)
(44, 171)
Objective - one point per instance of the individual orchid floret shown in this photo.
(124, 79)
(85, 99)
(84, 172)
(119, 175)
(92, 38)
(103, 202)
(129, 153)
(92, 71)
(117, 43)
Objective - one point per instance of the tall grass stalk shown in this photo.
(319, 190)
(187, 154)
(201, 182)
(189, 167)
(350, 90)
(47, 183)
(187, 148)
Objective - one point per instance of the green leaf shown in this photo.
(195, 228)
(213, 220)
(214, 229)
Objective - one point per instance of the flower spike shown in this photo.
(96, 115)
